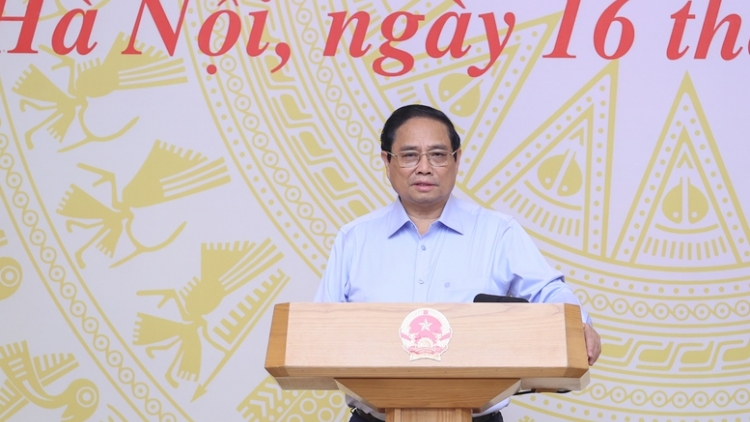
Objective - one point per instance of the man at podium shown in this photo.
(430, 246)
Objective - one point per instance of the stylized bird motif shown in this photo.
(27, 381)
(224, 269)
(36, 85)
(168, 173)
(93, 79)
(166, 333)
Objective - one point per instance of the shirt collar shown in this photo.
(450, 217)
(397, 217)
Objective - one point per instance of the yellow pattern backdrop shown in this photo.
(156, 205)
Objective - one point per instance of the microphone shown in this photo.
(485, 298)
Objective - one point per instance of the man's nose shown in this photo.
(423, 165)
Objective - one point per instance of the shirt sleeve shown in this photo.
(335, 282)
(532, 278)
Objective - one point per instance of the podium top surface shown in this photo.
(426, 340)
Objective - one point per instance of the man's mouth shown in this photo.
(423, 185)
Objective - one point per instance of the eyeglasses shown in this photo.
(410, 159)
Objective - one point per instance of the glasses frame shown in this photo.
(416, 163)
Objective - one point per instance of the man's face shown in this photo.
(423, 189)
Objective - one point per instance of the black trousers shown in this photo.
(356, 418)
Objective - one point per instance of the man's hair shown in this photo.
(407, 112)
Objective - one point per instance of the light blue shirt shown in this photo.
(380, 257)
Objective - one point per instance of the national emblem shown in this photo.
(425, 334)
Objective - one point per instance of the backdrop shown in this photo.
(169, 170)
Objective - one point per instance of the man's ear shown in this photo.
(458, 156)
(384, 155)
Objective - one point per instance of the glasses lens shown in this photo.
(408, 159)
(438, 158)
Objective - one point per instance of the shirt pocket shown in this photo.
(465, 289)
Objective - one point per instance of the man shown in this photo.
(429, 246)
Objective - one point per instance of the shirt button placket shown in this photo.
(423, 260)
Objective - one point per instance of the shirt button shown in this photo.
(421, 281)
(447, 284)
(424, 247)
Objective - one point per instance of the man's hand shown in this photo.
(593, 343)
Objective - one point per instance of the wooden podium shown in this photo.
(427, 362)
